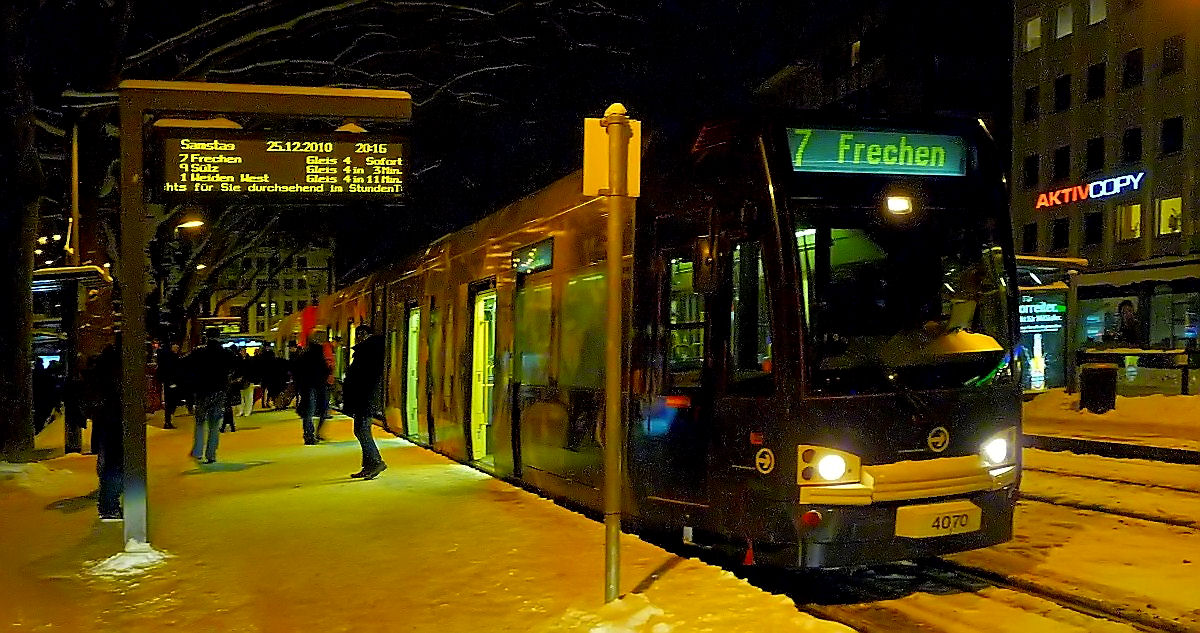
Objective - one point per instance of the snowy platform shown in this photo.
(1171, 422)
(276, 537)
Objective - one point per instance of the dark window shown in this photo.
(302, 283)
(1131, 145)
(1062, 162)
(1033, 164)
(1095, 154)
(287, 307)
(301, 262)
(1172, 135)
(1093, 228)
(246, 263)
(1060, 234)
(1173, 51)
(1032, 97)
(1029, 238)
(1062, 93)
(750, 323)
(1132, 73)
(287, 284)
(301, 304)
(1095, 81)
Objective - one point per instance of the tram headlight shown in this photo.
(818, 465)
(831, 467)
(999, 449)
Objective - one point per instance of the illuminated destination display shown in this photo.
(254, 166)
(1097, 189)
(859, 152)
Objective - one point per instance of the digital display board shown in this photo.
(321, 165)
(863, 152)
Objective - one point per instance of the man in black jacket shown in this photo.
(311, 374)
(363, 379)
(211, 367)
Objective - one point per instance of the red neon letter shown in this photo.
(1042, 201)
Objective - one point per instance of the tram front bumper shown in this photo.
(849, 535)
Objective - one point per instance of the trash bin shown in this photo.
(1098, 387)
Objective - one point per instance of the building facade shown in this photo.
(1106, 128)
(270, 283)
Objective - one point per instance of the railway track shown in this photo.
(962, 598)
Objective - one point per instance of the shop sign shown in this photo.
(1097, 189)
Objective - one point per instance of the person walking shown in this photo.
(103, 384)
(168, 376)
(212, 367)
(248, 370)
(310, 373)
(359, 390)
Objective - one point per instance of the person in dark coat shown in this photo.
(272, 374)
(359, 391)
(168, 376)
(103, 384)
(311, 374)
(211, 367)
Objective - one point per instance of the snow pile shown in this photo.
(137, 558)
(633, 613)
(36, 476)
(1156, 420)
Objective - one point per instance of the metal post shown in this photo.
(133, 318)
(617, 125)
(1070, 362)
(72, 423)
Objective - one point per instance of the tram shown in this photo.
(820, 326)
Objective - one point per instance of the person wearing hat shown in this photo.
(211, 369)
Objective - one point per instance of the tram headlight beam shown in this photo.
(822, 466)
(1000, 449)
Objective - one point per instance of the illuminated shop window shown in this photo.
(855, 53)
(1097, 11)
(1129, 221)
(1033, 33)
(1170, 216)
(1066, 19)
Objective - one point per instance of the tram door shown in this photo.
(671, 453)
(411, 344)
(483, 368)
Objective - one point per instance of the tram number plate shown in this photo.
(938, 519)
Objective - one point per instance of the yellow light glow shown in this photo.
(43, 239)
(201, 266)
(37, 251)
(190, 224)
(56, 237)
(996, 450)
(899, 205)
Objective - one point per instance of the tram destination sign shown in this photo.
(872, 152)
(313, 165)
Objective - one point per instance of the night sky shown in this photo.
(499, 88)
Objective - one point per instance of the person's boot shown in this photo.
(360, 474)
(374, 471)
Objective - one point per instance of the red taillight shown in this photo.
(812, 518)
(678, 402)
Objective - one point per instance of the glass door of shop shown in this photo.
(411, 344)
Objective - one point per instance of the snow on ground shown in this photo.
(1131, 564)
(1139, 487)
(1154, 420)
(276, 537)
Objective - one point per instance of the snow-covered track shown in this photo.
(1095, 507)
(939, 595)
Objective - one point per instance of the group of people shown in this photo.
(213, 380)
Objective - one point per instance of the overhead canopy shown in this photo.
(47, 279)
(1128, 276)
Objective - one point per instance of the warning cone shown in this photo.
(749, 558)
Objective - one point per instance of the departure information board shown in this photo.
(265, 166)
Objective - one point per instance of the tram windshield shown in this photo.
(897, 303)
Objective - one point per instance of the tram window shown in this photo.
(533, 334)
(686, 324)
(750, 327)
(581, 346)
